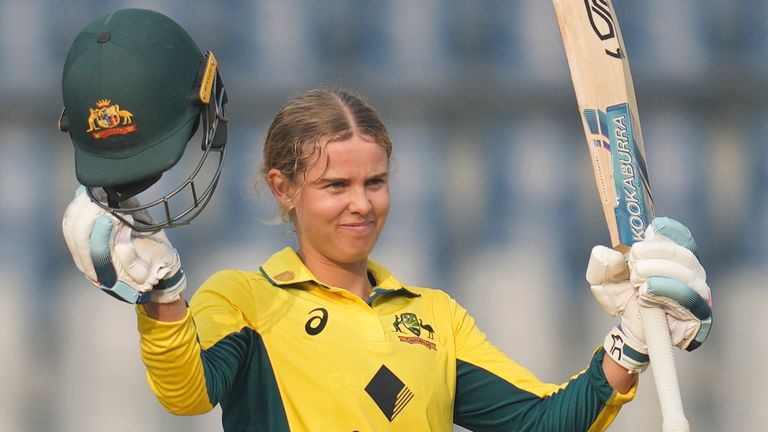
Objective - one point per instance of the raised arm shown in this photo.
(495, 393)
(145, 269)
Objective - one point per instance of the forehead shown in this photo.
(357, 154)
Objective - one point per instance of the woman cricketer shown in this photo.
(324, 338)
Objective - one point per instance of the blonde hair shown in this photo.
(306, 123)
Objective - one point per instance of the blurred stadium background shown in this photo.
(493, 194)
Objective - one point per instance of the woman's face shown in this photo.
(344, 201)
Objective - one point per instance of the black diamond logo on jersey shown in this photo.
(389, 393)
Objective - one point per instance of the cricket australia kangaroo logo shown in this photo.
(108, 119)
(414, 325)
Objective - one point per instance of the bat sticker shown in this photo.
(630, 176)
(598, 127)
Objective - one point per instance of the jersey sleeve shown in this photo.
(495, 393)
(192, 363)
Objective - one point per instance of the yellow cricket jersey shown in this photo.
(281, 351)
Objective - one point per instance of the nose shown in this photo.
(359, 201)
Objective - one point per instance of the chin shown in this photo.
(355, 257)
(354, 254)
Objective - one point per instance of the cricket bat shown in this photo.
(606, 99)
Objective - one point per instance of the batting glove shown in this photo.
(131, 266)
(660, 271)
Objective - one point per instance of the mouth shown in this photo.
(358, 227)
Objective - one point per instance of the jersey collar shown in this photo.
(286, 268)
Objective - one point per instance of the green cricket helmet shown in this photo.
(136, 88)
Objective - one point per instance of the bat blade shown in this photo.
(606, 99)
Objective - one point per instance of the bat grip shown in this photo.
(664, 371)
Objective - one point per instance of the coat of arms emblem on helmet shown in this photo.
(108, 119)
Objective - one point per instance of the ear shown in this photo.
(281, 187)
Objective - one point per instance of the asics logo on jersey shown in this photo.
(317, 322)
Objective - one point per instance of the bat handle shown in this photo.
(664, 372)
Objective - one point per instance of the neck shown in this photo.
(352, 277)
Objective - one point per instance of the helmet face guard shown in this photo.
(213, 120)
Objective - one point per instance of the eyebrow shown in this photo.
(329, 180)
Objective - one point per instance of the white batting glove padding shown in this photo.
(669, 275)
(608, 276)
(131, 266)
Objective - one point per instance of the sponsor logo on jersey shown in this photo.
(108, 119)
(317, 321)
(389, 392)
(409, 321)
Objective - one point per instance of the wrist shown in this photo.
(626, 351)
(169, 290)
(173, 311)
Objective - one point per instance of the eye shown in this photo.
(335, 185)
(376, 182)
